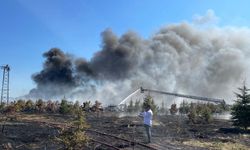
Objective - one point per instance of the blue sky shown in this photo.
(28, 28)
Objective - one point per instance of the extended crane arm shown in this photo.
(215, 100)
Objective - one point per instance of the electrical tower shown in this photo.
(5, 84)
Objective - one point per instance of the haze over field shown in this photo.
(189, 58)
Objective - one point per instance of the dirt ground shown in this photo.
(38, 131)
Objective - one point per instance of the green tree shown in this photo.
(192, 115)
(76, 107)
(206, 114)
(213, 108)
(148, 100)
(64, 107)
(162, 109)
(184, 107)
(75, 137)
(130, 107)
(199, 107)
(29, 106)
(200, 112)
(241, 108)
(137, 107)
(19, 105)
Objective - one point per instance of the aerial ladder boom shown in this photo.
(215, 100)
(142, 90)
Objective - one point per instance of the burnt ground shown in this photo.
(38, 131)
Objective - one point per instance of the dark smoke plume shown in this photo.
(57, 75)
(113, 62)
(57, 69)
(180, 58)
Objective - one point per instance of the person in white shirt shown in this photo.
(147, 120)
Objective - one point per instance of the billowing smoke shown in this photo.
(56, 77)
(182, 58)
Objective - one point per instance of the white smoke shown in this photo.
(181, 57)
(209, 17)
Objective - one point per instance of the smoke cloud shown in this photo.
(209, 17)
(56, 77)
(182, 58)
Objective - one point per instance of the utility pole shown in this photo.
(5, 84)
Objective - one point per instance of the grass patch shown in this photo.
(216, 145)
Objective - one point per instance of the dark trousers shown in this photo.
(148, 131)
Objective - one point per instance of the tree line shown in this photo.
(196, 112)
(41, 106)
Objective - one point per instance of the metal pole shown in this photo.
(2, 86)
(8, 74)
